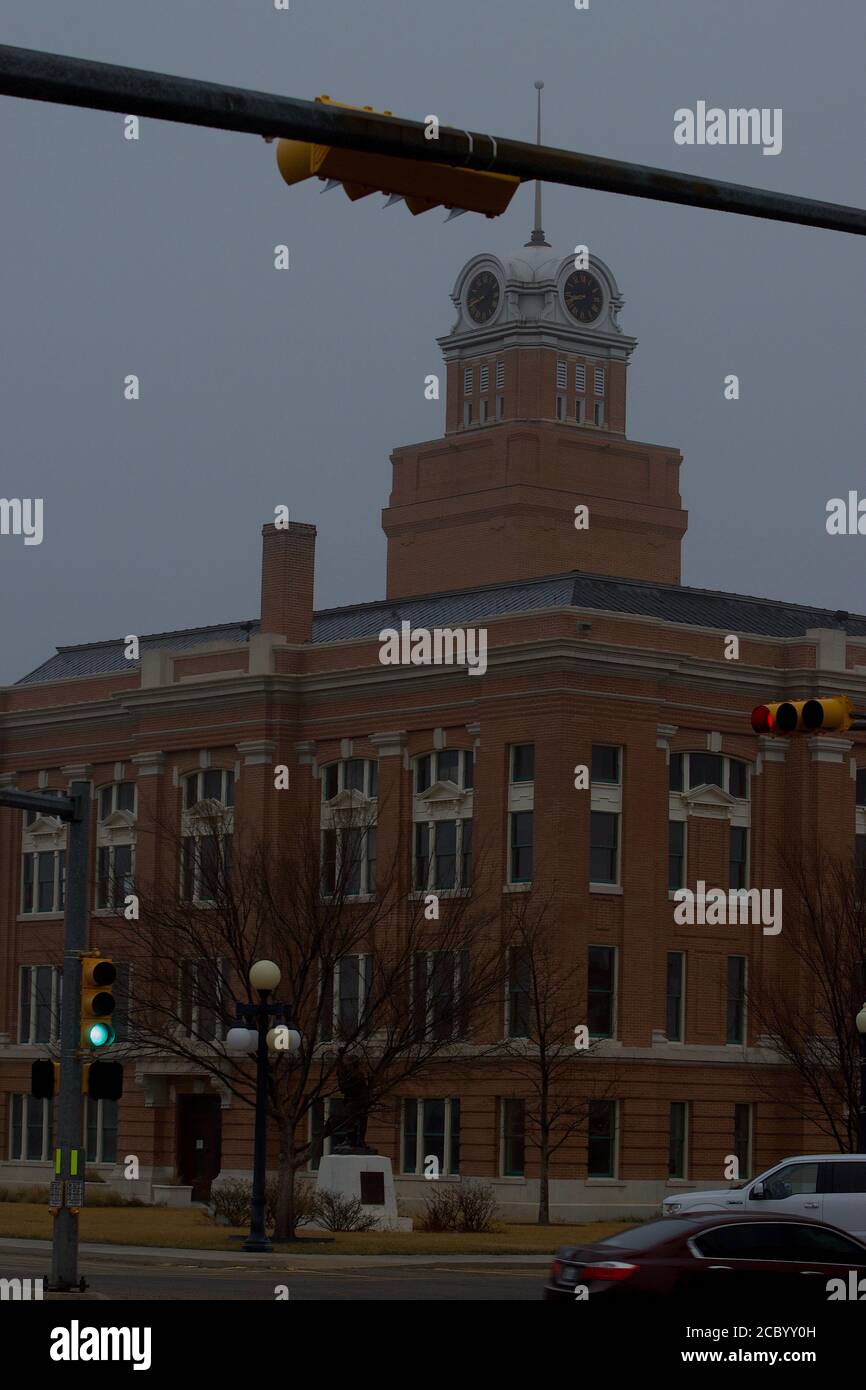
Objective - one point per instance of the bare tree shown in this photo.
(808, 989)
(544, 1014)
(422, 969)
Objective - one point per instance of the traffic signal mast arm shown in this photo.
(830, 713)
(54, 77)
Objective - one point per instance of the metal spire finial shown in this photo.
(538, 238)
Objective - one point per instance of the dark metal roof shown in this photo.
(669, 603)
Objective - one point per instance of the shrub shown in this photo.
(467, 1208)
(442, 1212)
(23, 1194)
(233, 1201)
(478, 1207)
(338, 1213)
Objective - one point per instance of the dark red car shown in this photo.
(713, 1258)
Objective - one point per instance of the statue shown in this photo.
(355, 1087)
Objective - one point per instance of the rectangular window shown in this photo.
(605, 764)
(578, 411)
(328, 1112)
(485, 412)
(513, 1138)
(466, 853)
(523, 762)
(467, 412)
(580, 378)
(677, 1144)
(676, 971)
(601, 1145)
(445, 859)
(518, 992)
(201, 990)
(212, 784)
(485, 378)
(735, 1013)
(448, 765)
(598, 413)
(561, 376)
(521, 847)
(422, 773)
(739, 863)
(422, 855)
(861, 786)
(27, 884)
(500, 407)
(467, 381)
(39, 1004)
(737, 779)
(743, 1139)
(436, 1124)
(705, 769)
(100, 1127)
(599, 381)
(675, 772)
(45, 878)
(676, 854)
(438, 979)
(560, 407)
(500, 376)
(353, 775)
(601, 991)
(603, 847)
(30, 1129)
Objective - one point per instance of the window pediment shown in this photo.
(349, 800)
(118, 821)
(46, 833)
(444, 793)
(349, 809)
(709, 800)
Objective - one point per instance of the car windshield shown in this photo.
(651, 1233)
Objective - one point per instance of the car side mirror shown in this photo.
(757, 1193)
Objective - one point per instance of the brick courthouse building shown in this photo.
(596, 656)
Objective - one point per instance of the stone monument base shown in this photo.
(368, 1177)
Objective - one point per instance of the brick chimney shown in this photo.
(288, 566)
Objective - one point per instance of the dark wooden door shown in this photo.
(199, 1142)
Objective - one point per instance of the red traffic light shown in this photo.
(762, 719)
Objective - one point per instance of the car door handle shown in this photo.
(811, 1206)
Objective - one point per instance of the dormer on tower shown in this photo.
(536, 338)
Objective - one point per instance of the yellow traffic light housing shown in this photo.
(424, 186)
(835, 712)
(98, 1003)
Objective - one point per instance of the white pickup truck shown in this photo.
(822, 1187)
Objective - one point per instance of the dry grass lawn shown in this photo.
(193, 1230)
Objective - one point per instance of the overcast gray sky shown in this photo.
(260, 387)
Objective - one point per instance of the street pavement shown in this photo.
(141, 1273)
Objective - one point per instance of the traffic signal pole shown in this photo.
(54, 77)
(69, 1160)
(64, 1249)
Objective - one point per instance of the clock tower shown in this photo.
(535, 427)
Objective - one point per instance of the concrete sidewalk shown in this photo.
(291, 1254)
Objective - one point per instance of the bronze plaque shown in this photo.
(373, 1189)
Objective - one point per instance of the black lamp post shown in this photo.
(252, 1031)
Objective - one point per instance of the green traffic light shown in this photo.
(100, 1035)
